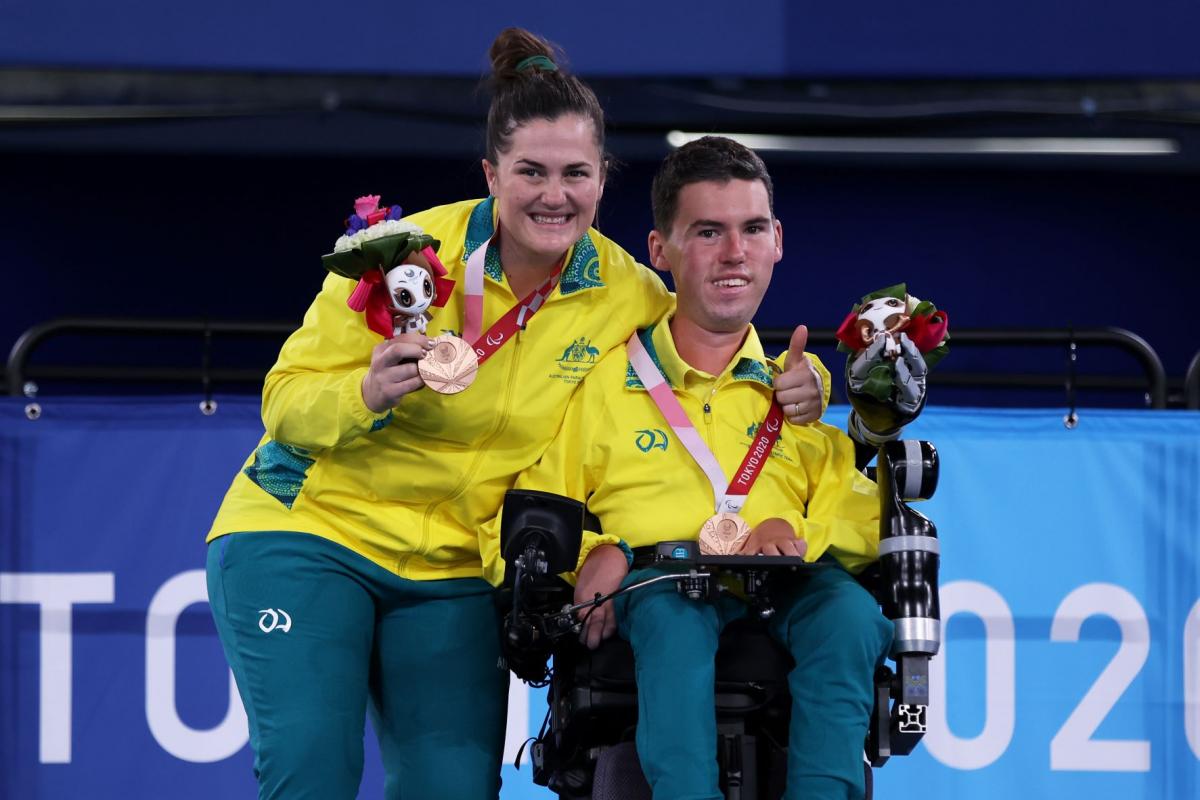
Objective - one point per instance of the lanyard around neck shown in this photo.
(730, 495)
(513, 320)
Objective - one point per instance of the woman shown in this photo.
(356, 516)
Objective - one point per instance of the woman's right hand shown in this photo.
(393, 372)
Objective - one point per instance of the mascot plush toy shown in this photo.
(893, 339)
(396, 265)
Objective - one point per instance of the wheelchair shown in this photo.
(585, 748)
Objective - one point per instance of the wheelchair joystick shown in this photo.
(692, 585)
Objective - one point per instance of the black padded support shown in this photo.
(619, 775)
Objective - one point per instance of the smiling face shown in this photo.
(547, 186)
(721, 250)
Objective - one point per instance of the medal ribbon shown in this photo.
(514, 320)
(730, 495)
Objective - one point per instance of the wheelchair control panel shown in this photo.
(702, 579)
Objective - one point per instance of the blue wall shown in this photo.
(240, 238)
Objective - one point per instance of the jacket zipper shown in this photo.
(480, 453)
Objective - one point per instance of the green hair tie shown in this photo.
(543, 63)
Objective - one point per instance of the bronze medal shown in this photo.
(723, 534)
(450, 366)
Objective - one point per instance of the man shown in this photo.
(628, 447)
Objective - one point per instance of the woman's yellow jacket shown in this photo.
(411, 488)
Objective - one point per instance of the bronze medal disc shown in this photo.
(723, 534)
(450, 366)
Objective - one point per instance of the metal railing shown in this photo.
(1153, 380)
(1191, 383)
(22, 376)
(21, 373)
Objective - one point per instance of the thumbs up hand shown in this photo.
(800, 390)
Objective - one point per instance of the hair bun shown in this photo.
(517, 52)
(528, 82)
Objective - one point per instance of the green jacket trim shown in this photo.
(583, 271)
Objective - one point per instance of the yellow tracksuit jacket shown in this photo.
(616, 452)
(411, 488)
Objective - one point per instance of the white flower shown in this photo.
(387, 227)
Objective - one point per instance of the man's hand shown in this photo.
(393, 372)
(798, 389)
(601, 573)
(773, 537)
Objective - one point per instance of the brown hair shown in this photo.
(528, 82)
(709, 158)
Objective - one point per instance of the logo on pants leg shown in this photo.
(274, 619)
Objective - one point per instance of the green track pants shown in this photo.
(317, 635)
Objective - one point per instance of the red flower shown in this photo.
(928, 332)
(371, 296)
(442, 285)
(847, 332)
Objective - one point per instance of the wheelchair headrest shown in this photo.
(553, 524)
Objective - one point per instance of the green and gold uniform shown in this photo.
(363, 527)
(617, 453)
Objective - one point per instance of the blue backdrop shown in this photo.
(1070, 593)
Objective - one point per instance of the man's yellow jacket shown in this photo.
(617, 453)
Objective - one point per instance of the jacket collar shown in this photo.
(582, 270)
(749, 362)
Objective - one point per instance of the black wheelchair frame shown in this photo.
(585, 751)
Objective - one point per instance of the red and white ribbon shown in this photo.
(513, 320)
(730, 495)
